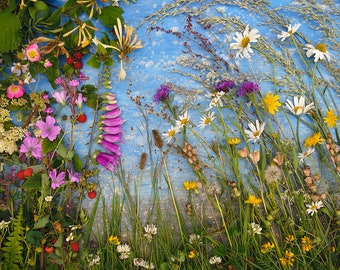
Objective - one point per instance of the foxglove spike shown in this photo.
(111, 107)
(111, 147)
(112, 114)
(108, 161)
(112, 130)
(114, 138)
(112, 122)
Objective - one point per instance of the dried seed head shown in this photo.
(315, 198)
(142, 161)
(243, 153)
(323, 196)
(157, 138)
(306, 171)
(308, 180)
(279, 159)
(313, 188)
(316, 177)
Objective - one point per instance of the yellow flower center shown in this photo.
(245, 41)
(297, 108)
(184, 121)
(256, 133)
(290, 32)
(33, 54)
(321, 47)
(171, 133)
(207, 121)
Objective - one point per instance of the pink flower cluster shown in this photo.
(111, 125)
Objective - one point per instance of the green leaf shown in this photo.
(48, 146)
(93, 62)
(59, 242)
(34, 238)
(42, 222)
(64, 152)
(10, 34)
(91, 101)
(110, 14)
(77, 163)
(39, 10)
(54, 19)
(71, 9)
(33, 182)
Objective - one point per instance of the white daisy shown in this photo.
(320, 51)
(255, 131)
(206, 120)
(298, 107)
(305, 154)
(242, 45)
(170, 134)
(216, 99)
(291, 30)
(314, 207)
(183, 119)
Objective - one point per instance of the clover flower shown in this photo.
(206, 120)
(247, 88)
(290, 31)
(57, 179)
(31, 146)
(255, 228)
(299, 107)
(124, 250)
(215, 260)
(142, 263)
(32, 53)
(314, 207)
(15, 91)
(48, 129)
(320, 51)
(150, 230)
(255, 130)
(243, 42)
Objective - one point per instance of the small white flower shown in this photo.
(70, 237)
(170, 134)
(305, 154)
(142, 263)
(299, 107)
(183, 120)
(216, 99)
(4, 224)
(17, 69)
(320, 51)
(48, 198)
(243, 41)
(255, 131)
(256, 228)
(206, 120)
(124, 250)
(215, 260)
(194, 238)
(314, 207)
(291, 30)
(151, 229)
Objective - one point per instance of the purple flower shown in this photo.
(57, 179)
(58, 80)
(111, 147)
(114, 138)
(112, 130)
(48, 110)
(247, 88)
(112, 114)
(73, 83)
(74, 176)
(108, 161)
(32, 146)
(61, 97)
(48, 129)
(79, 100)
(82, 77)
(112, 122)
(224, 86)
(162, 93)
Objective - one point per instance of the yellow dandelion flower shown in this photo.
(191, 185)
(253, 200)
(306, 244)
(192, 254)
(233, 141)
(331, 119)
(289, 238)
(288, 259)
(114, 240)
(267, 247)
(271, 103)
(314, 140)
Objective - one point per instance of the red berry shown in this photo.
(77, 55)
(28, 172)
(78, 65)
(49, 250)
(21, 175)
(81, 118)
(70, 60)
(92, 194)
(75, 246)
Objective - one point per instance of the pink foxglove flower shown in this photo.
(114, 138)
(15, 91)
(114, 130)
(108, 161)
(32, 53)
(48, 129)
(57, 179)
(109, 146)
(31, 146)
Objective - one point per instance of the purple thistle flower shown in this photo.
(108, 161)
(247, 88)
(57, 179)
(162, 94)
(114, 138)
(111, 147)
(48, 129)
(74, 176)
(224, 86)
(112, 122)
(31, 146)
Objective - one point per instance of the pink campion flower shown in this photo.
(108, 161)
(58, 80)
(79, 100)
(48, 129)
(32, 53)
(48, 110)
(73, 83)
(57, 179)
(47, 63)
(60, 97)
(74, 176)
(82, 77)
(31, 146)
(15, 91)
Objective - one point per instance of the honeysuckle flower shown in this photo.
(91, 3)
(32, 53)
(320, 51)
(4, 224)
(51, 45)
(170, 134)
(206, 120)
(290, 31)
(84, 35)
(183, 120)
(32, 147)
(48, 129)
(17, 69)
(313, 140)
(122, 72)
(73, 176)
(314, 207)
(299, 107)
(57, 179)
(243, 42)
(255, 130)
(331, 118)
(15, 91)
(253, 200)
(271, 103)
(247, 88)
(108, 161)
(224, 86)
(215, 260)
(162, 94)
(255, 228)
(60, 97)
(305, 154)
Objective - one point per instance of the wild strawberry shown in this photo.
(92, 194)
(77, 55)
(81, 118)
(21, 175)
(75, 246)
(49, 250)
(28, 172)
(78, 65)
(70, 60)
